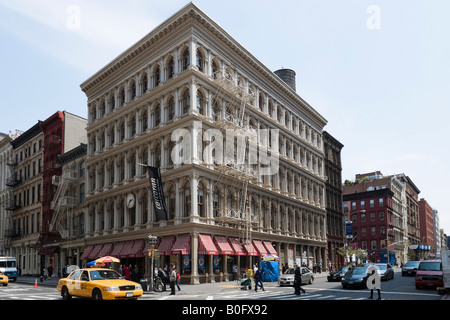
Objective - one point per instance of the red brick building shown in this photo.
(426, 225)
(371, 215)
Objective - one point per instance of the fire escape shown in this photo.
(62, 203)
(12, 203)
(236, 165)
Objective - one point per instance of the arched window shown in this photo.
(199, 60)
(132, 90)
(200, 103)
(171, 109)
(122, 96)
(187, 199)
(216, 202)
(215, 69)
(157, 76)
(186, 59)
(172, 196)
(144, 83)
(157, 115)
(186, 102)
(200, 200)
(171, 68)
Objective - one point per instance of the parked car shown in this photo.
(410, 268)
(98, 284)
(429, 274)
(337, 274)
(385, 271)
(356, 277)
(287, 278)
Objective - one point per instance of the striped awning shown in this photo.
(260, 247)
(206, 245)
(251, 251)
(87, 252)
(117, 248)
(126, 250)
(95, 253)
(234, 242)
(182, 245)
(165, 245)
(223, 246)
(136, 249)
(269, 247)
(106, 250)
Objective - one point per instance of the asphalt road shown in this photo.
(399, 288)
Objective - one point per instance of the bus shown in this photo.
(8, 266)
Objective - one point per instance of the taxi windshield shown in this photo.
(104, 275)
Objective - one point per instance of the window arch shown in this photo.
(157, 76)
(199, 60)
(200, 102)
(186, 101)
(171, 109)
(171, 68)
(186, 59)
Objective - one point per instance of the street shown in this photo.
(399, 288)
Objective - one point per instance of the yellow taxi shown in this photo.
(3, 279)
(98, 284)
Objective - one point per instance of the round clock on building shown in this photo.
(130, 200)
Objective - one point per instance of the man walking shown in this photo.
(298, 281)
(258, 278)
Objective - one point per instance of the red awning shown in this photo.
(206, 245)
(87, 252)
(165, 245)
(251, 251)
(136, 250)
(182, 245)
(117, 248)
(234, 242)
(95, 252)
(269, 247)
(223, 245)
(259, 247)
(106, 250)
(49, 251)
(126, 250)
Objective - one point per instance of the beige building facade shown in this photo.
(168, 102)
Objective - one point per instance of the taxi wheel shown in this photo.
(65, 294)
(96, 294)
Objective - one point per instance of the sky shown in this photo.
(378, 71)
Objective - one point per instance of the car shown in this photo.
(410, 268)
(337, 274)
(429, 274)
(98, 284)
(356, 277)
(4, 279)
(385, 271)
(287, 278)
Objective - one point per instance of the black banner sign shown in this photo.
(156, 189)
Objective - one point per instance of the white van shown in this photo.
(8, 266)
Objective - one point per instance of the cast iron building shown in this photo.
(183, 85)
(335, 214)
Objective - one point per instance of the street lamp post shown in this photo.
(152, 240)
(347, 236)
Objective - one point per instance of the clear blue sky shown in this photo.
(378, 71)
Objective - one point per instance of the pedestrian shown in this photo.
(178, 280)
(315, 267)
(136, 273)
(298, 281)
(45, 273)
(235, 271)
(319, 267)
(258, 278)
(373, 281)
(50, 271)
(172, 279)
(162, 274)
(126, 270)
(122, 273)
